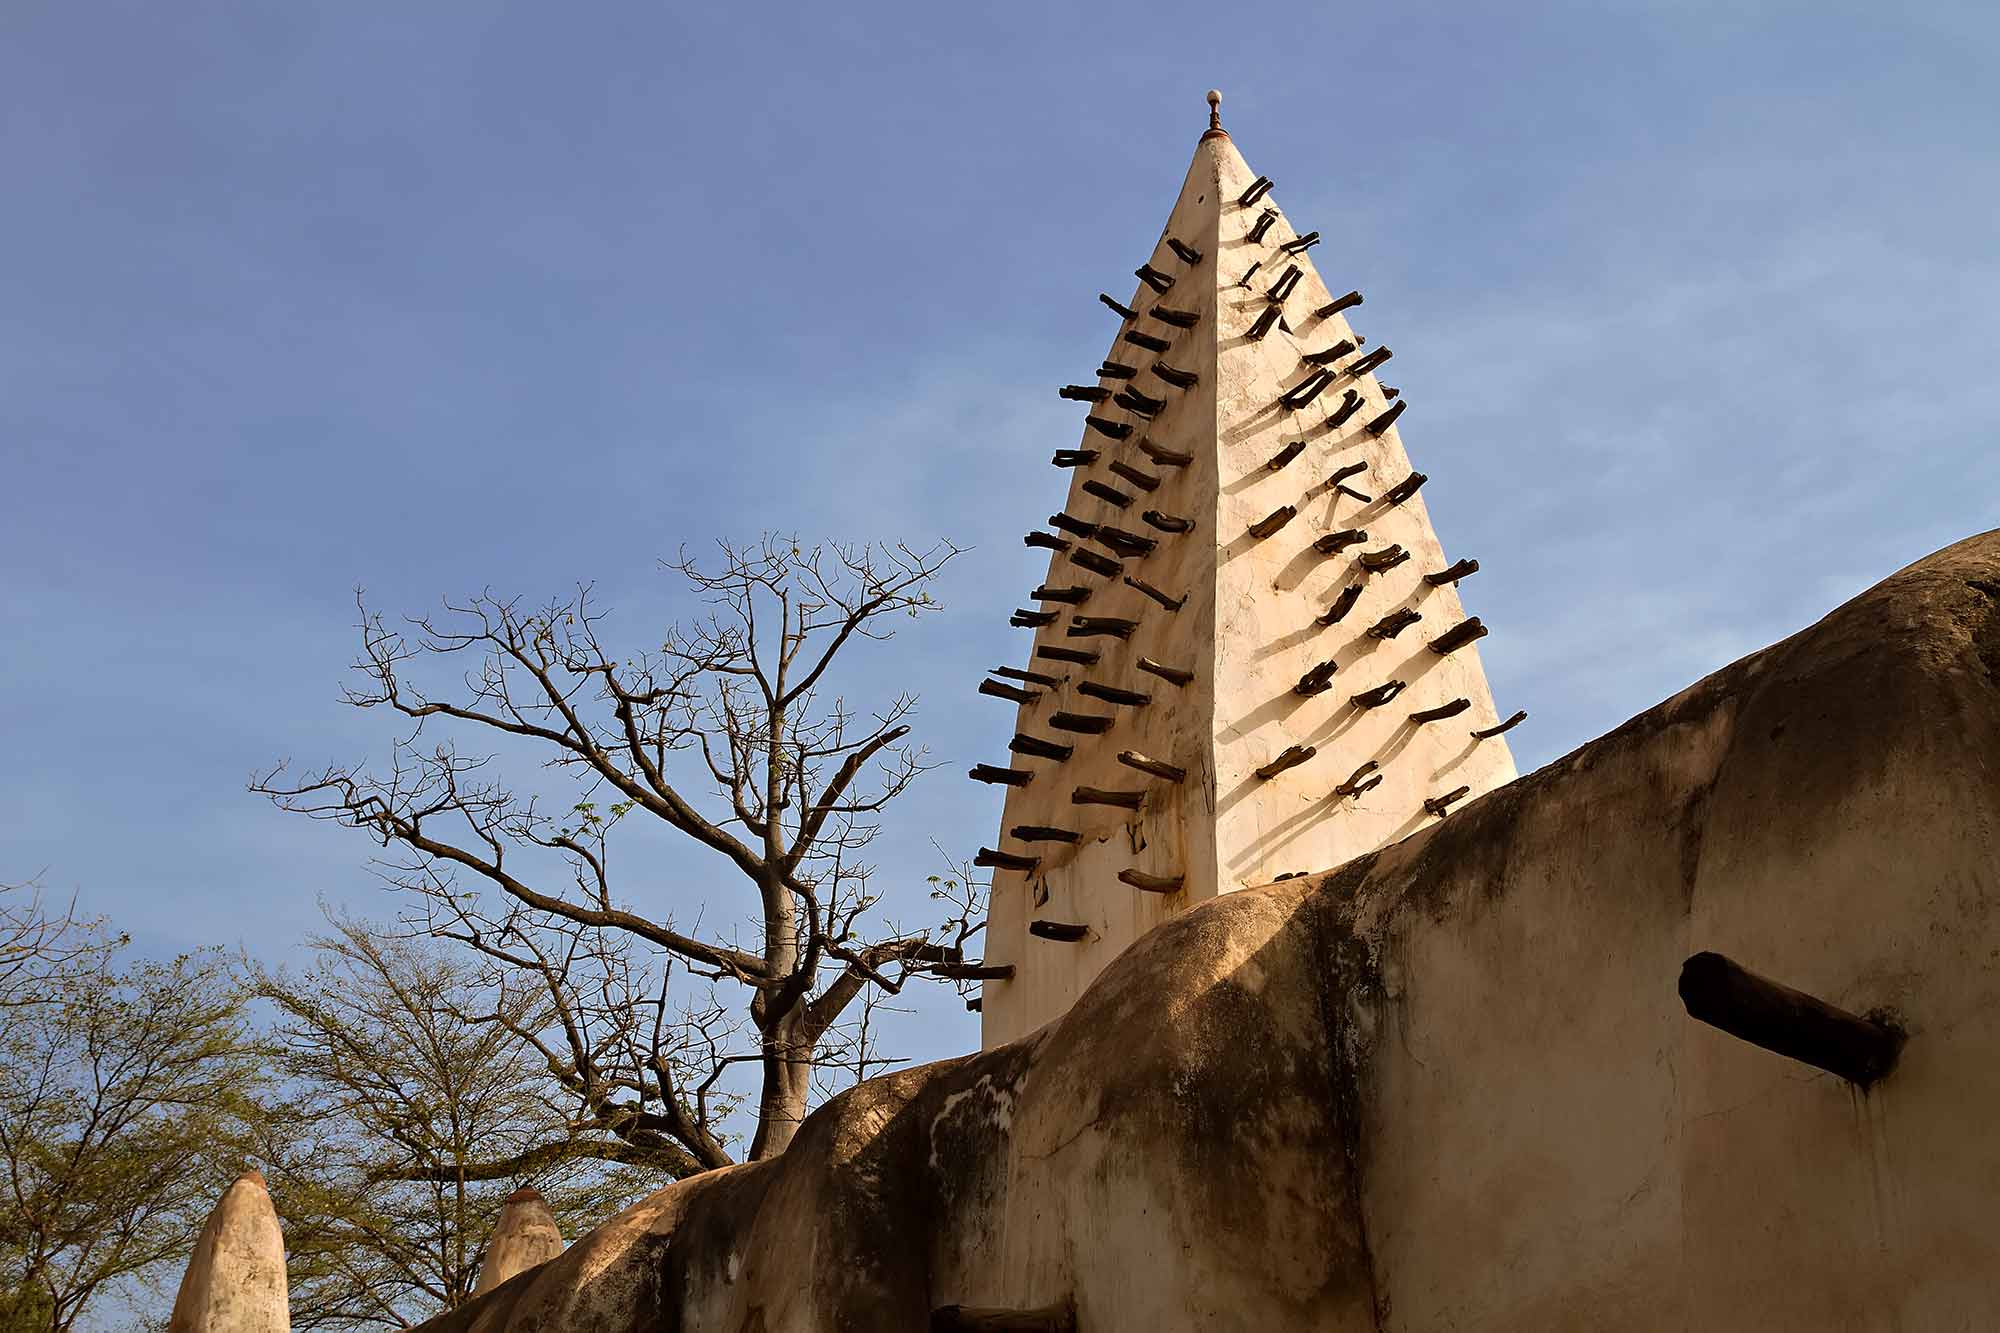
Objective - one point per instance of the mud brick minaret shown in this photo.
(1250, 655)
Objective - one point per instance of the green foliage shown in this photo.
(410, 1115)
(26, 1310)
(128, 1099)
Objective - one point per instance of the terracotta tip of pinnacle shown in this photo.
(254, 1177)
(1215, 130)
(523, 1194)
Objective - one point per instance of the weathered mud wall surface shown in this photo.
(1450, 1085)
(1550, 1141)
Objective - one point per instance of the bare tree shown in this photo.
(733, 735)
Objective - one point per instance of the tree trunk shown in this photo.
(781, 1103)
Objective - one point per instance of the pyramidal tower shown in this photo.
(1250, 653)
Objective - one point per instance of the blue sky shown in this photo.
(1695, 305)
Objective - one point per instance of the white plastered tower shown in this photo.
(1250, 657)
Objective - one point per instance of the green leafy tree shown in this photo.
(127, 1102)
(399, 1097)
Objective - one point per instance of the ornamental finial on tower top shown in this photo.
(1215, 115)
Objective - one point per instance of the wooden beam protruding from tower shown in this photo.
(1145, 405)
(1291, 758)
(1331, 354)
(1158, 768)
(1442, 711)
(1381, 694)
(1354, 785)
(1389, 626)
(1861, 1048)
(1338, 481)
(1032, 677)
(1377, 562)
(1086, 724)
(1170, 603)
(1116, 627)
(1306, 390)
(1342, 604)
(1273, 521)
(1008, 692)
(1317, 680)
(1111, 495)
(1145, 481)
(1125, 543)
(1037, 748)
(1112, 694)
(1096, 564)
(1405, 488)
(1350, 403)
(974, 971)
(1466, 631)
(1462, 569)
(1369, 362)
(1388, 419)
(1438, 805)
(1064, 521)
(1507, 726)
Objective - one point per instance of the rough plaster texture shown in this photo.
(524, 1236)
(235, 1280)
(1248, 629)
(1450, 1084)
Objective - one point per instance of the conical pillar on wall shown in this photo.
(235, 1279)
(1250, 656)
(525, 1236)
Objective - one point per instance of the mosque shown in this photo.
(1301, 1009)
